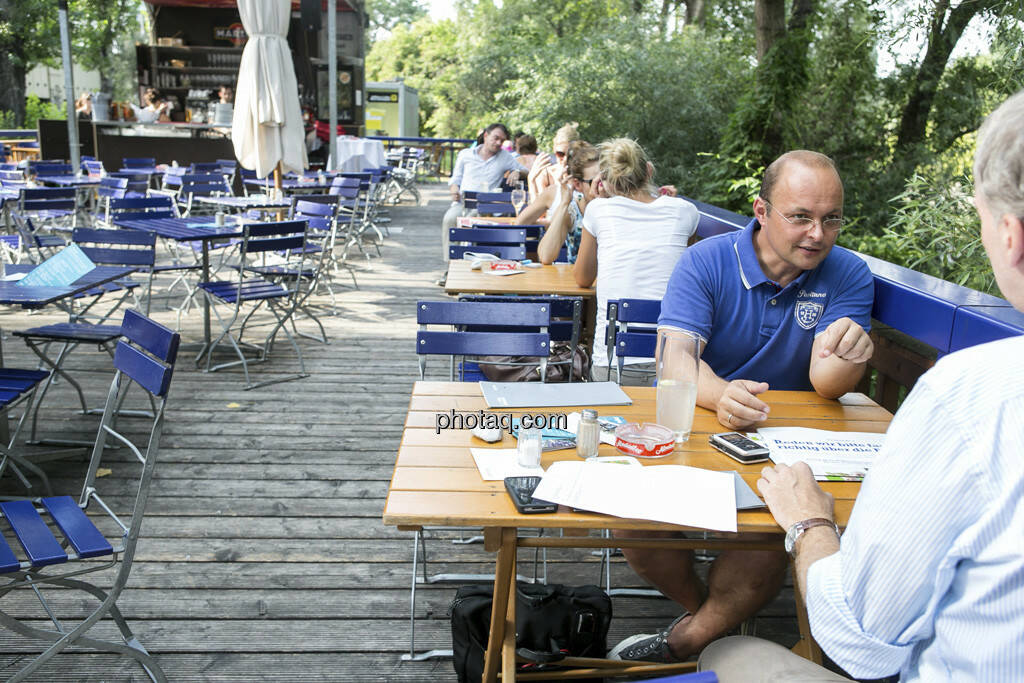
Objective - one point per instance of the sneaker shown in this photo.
(647, 647)
(441, 281)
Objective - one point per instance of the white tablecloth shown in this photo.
(355, 154)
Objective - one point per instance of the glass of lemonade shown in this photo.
(678, 356)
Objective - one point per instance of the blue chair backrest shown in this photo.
(112, 187)
(495, 197)
(506, 243)
(138, 162)
(45, 169)
(278, 236)
(144, 207)
(625, 335)
(306, 208)
(147, 352)
(534, 316)
(469, 199)
(247, 174)
(566, 312)
(47, 193)
(117, 247)
(93, 168)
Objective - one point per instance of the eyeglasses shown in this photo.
(560, 155)
(804, 222)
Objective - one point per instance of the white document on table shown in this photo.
(674, 494)
(495, 464)
(832, 456)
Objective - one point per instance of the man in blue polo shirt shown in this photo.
(778, 308)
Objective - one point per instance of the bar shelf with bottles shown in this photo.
(181, 68)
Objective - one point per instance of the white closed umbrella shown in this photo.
(267, 126)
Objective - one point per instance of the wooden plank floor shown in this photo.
(264, 556)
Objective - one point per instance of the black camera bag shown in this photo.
(552, 622)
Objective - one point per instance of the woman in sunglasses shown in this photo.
(631, 240)
(548, 167)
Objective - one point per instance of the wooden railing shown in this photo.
(916, 318)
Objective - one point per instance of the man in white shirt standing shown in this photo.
(479, 169)
(928, 578)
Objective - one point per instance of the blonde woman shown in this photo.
(547, 168)
(630, 243)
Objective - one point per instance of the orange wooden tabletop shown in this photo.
(552, 279)
(436, 482)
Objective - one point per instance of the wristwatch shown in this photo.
(800, 527)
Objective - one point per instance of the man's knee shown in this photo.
(744, 658)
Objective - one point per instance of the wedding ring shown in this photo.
(729, 418)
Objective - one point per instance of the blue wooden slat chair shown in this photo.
(129, 163)
(322, 215)
(495, 204)
(505, 243)
(52, 207)
(631, 332)
(16, 387)
(52, 169)
(107, 248)
(200, 185)
(138, 183)
(532, 340)
(36, 245)
(280, 298)
(110, 187)
(171, 180)
(93, 168)
(61, 540)
(566, 318)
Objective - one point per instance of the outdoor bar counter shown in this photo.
(112, 141)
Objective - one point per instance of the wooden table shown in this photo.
(19, 153)
(552, 279)
(436, 483)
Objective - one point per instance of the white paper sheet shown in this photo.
(832, 456)
(495, 464)
(664, 493)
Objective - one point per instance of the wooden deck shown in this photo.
(264, 556)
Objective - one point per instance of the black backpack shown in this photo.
(552, 621)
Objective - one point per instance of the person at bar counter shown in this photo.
(480, 169)
(928, 578)
(778, 307)
(156, 108)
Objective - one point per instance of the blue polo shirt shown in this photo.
(754, 329)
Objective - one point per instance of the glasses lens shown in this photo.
(560, 155)
(832, 224)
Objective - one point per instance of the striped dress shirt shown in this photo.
(929, 580)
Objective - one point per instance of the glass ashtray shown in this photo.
(644, 440)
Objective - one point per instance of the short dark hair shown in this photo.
(491, 127)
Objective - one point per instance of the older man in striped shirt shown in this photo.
(928, 579)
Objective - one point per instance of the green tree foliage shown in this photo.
(103, 33)
(386, 15)
(28, 36)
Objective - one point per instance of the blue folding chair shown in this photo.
(61, 540)
(566, 324)
(51, 207)
(200, 185)
(495, 204)
(481, 329)
(36, 245)
(17, 387)
(103, 247)
(505, 243)
(280, 297)
(631, 331)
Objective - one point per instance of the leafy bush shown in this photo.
(933, 229)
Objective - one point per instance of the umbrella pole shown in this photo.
(278, 191)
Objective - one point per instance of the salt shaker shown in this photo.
(219, 218)
(588, 434)
(529, 448)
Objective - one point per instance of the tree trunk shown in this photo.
(943, 35)
(12, 88)
(695, 12)
(802, 11)
(769, 24)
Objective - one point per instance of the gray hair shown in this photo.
(999, 160)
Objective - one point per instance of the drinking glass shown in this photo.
(519, 198)
(529, 447)
(678, 356)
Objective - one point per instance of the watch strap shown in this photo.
(803, 525)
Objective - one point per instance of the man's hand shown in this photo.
(513, 178)
(847, 340)
(792, 494)
(739, 407)
(453, 190)
(669, 190)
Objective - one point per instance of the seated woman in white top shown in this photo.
(157, 109)
(630, 244)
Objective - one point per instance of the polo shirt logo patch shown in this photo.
(807, 313)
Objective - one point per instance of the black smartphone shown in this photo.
(739, 447)
(521, 489)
